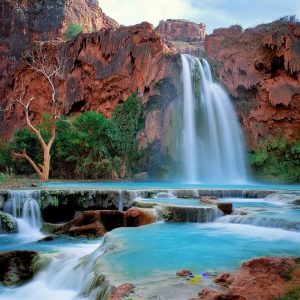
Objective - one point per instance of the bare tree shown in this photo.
(38, 61)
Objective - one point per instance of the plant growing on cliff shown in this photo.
(72, 30)
(38, 61)
(278, 160)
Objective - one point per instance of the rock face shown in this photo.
(25, 21)
(182, 30)
(99, 70)
(261, 69)
(16, 266)
(259, 279)
(96, 223)
(186, 37)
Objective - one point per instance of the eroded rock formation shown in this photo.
(261, 68)
(25, 21)
(260, 279)
(99, 70)
(182, 30)
(95, 223)
(185, 36)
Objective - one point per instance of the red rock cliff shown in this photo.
(261, 68)
(100, 70)
(25, 21)
(185, 36)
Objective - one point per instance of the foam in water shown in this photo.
(212, 138)
(24, 207)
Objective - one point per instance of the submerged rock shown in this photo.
(7, 223)
(122, 291)
(184, 273)
(208, 200)
(16, 266)
(259, 279)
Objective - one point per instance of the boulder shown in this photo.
(259, 279)
(93, 223)
(136, 216)
(226, 208)
(7, 223)
(16, 266)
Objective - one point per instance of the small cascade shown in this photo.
(121, 200)
(261, 220)
(211, 135)
(135, 195)
(165, 195)
(192, 214)
(24, 207)
(285, 198)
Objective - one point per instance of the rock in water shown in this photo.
(16, 266)
(7, 223)
(259, 279)
(122, 291)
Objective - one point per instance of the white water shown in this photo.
(69, 276)
(212, 140)
(121, 201)
(24, 207)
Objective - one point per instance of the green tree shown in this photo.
(127, 120)
(72, 30)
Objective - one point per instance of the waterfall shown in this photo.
(24, 207)
(212, 141)
(121, 201)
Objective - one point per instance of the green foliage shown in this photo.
(292, 294)
(127, 119)
(72, 30)
(278, 160)
(87, 146)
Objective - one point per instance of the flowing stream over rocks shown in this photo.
(23, 205)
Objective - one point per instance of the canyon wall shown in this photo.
(25, 21)
(187, 37)
(99, 70)
(260, 67)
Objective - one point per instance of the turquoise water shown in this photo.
(146, 250)
(17, 242)
(163, 185)
(175, 201)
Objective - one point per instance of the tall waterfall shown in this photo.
(212, 141)
(23, 205)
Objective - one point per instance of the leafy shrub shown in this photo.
(278, 160)
(72, 30)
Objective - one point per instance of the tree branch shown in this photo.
(32, 163)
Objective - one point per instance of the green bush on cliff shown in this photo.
(278, 160)
(72, 30)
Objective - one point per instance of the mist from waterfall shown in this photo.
(212, 140)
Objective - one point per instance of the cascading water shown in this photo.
(212, 139)
(24, 207)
